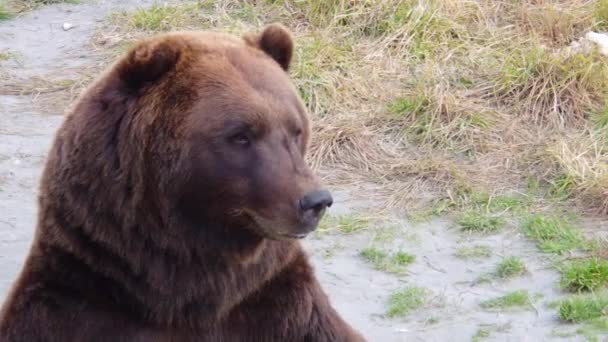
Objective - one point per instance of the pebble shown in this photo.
(67, 26)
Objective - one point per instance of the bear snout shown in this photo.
(316, 201)
(312, 207)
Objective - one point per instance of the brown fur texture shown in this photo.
(169, 201)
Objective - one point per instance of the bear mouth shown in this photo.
(298, 236)
(260, 225)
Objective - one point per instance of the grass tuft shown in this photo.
(345, 224)
(582, 308)
(485, 331)
(480, 335)
(475, 221)
(406, 300)
(600, 14)
(6, 55)
(581, 167)
(600, 117)
(510, 300)
(585, 275)
(510, 267)
(5, 13)
(383, 261)
(554, 89)
(158, 18)
(473, 252)
(553, 234)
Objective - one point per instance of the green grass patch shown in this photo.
(6, 55)
(478, 203)
(594, 327)
(409, 106)
(473, 252)
(395, 19)
(563, 186)
(321, 12)
(485, 331)
(505, 202)
(585, 275)
(600, 14)
(402, 258)
(345, 224)
(584, 308)
(383, 261)
(316, 63)
(163, 18)
(404, 301)
(513, 299)
(50, 2)
(510, 267)
(600, 117)
(493, 203)
(554, 234)
(374, 255)
(481, 335)
(156, 18)
(386, 233)
(10, 55)
(480, 222)
(5, 13)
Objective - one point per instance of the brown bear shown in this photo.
(172, 200)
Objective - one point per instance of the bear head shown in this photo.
(223, 133)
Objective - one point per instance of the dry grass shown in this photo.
(50, 94)
(555, 89)
(580, 164)
(426, 98)
(11, 8)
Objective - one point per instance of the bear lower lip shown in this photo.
(296, 236)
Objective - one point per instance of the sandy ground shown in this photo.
(358, 292)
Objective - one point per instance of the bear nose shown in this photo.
(316, 201)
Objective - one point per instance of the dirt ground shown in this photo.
(358, 291)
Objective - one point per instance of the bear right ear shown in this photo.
(148, 61)
(275, 40)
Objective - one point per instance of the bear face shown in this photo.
(234, 131)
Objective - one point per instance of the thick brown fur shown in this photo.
(167, 203)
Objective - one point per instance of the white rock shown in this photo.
(67, 26)
(601, 39)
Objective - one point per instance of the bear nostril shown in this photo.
(316, 201)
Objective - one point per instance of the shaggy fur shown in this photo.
(167, 205)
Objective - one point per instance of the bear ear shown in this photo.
(275, 40)
(148, 61)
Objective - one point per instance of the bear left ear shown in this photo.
(275, 40)
(149, 61)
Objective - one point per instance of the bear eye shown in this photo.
(241, 139)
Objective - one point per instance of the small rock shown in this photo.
(67, 26)
(601, 39)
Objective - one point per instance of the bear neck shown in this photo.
(164, 286)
